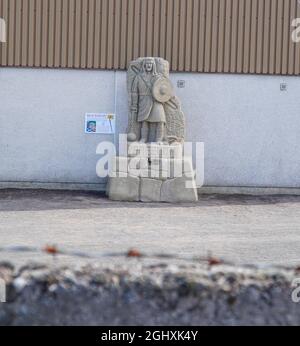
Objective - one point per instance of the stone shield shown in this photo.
(163, 90)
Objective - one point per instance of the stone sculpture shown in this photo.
(155, 112)
(155, 169)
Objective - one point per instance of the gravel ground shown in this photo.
(242, 229)
(149, 295)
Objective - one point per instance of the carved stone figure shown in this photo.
(155, 112)
(154, 168)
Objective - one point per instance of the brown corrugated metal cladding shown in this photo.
(237, 36)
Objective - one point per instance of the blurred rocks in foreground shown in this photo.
(139, 294)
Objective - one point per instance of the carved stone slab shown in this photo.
(151, 100)
(154, 169)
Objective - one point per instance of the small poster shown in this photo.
(104, 123)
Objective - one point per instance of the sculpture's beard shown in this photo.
(149, 70)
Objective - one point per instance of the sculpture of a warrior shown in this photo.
(155, 113)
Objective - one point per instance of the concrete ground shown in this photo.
(242, 229)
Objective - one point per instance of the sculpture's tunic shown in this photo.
(143, 103)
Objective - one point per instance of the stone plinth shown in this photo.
(153, 173)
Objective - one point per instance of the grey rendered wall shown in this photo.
(250, 128)
(42, 112)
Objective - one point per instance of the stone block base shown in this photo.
(134, 189)
(124, 189)
(154, 183)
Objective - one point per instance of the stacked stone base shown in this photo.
(134, 189)
(159, 179)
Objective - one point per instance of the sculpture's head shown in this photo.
(149, 65)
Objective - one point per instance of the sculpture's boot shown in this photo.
(160, 132)
(145, 132)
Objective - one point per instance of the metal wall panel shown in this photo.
(236, 36)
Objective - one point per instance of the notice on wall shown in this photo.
(102, 123)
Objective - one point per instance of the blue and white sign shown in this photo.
(101, 123)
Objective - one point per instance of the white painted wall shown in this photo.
(250, 128)
(42, 112)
